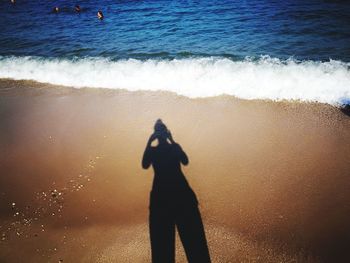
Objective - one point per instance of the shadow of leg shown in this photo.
(191, 230)
(162, 234)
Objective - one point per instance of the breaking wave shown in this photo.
(263, 78)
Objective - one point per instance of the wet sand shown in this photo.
(272, 178)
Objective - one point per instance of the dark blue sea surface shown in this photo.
(305, 30)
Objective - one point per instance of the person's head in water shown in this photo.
(77, 8)
(13, 1)
(100, 14)
(55, 9)
(161, 131)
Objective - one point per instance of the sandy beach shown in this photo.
(272, 178)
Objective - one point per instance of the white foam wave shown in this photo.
(266, 78)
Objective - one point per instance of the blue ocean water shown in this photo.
(230, 43)
(316, 30)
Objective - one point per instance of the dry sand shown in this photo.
(272, 178)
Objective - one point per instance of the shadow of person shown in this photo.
(172, 202)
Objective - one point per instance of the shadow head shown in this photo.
(161, 129)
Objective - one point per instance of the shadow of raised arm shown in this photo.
(147, 155)
(182, 155)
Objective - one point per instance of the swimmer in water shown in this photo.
(100, 14)
(77, 9)
(55, 9)
(13, 1)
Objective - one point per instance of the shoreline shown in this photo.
(8, 86)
